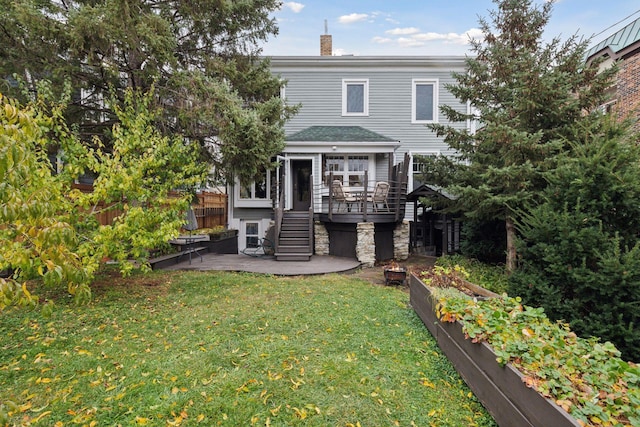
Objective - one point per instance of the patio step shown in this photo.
(174, 258)
(293, 234)
(293, 248)
(293, 257)
(293, 241)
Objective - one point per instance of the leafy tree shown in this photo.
(201, 56)
(137, 178)
(49, 230)
(580, 248)
(37, 236)
(527, 94)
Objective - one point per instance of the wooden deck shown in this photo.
(356, 217)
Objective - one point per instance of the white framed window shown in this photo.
(355, 97)
(349, 169)
(417, 167)
(254, 193)
(424, 104)
(251, 234)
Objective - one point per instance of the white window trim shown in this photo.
(412, 156)
(242, 231)
(345, 83)
(414, 83)
(371, 171)
(253, 202)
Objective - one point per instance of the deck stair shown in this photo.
(294, 241)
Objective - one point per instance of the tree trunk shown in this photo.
(511, 245)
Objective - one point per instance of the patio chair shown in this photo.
(341, 196)
(379, 196)
(190, 241)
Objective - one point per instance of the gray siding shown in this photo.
(316, 84)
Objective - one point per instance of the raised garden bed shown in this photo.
(500, 389)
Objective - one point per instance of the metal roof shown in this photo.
(619, 41)
(337, 134)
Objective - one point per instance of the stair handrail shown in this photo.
(312, 201)
(279, 214)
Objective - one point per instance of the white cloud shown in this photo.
(353, 17)
(475, 33)
(411, 37)
(403, 31)
(294, 6)
(409, 42)
(381, 40)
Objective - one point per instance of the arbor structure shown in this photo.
(201, 56)
(527, 94)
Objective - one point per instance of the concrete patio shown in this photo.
(267, 265)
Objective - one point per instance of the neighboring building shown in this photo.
(623, 48)
(361, 121)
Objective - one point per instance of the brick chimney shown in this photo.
(326, 48)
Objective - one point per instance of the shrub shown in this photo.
(580, 251)
(484, 240)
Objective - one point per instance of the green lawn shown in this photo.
(193, 348)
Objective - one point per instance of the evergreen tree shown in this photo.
(200, 56)
(527, 94)
(580, 247)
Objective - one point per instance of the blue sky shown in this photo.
(424, 27)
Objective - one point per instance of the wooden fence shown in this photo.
(211, 209)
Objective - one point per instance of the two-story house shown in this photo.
(348, 162)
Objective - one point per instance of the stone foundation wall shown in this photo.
(366, 246)
(321, 238)
(401, 241)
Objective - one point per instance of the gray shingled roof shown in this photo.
(619, 40)
(337, 134)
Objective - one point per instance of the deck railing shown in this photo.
(361, 199)
(361, 202)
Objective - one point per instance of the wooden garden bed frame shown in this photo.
(500, 389)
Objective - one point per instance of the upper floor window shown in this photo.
(355, 97)
(424, 108)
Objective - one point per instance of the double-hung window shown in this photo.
(424, 108)
(355, 97)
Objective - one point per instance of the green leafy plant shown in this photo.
(449, 277)
(48, 231)
(585, 377)
(37, 236)
(491, 277)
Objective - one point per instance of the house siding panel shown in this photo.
(317, 87)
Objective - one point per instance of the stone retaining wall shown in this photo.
(321, 238)
(366, 246)
(401, 241)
